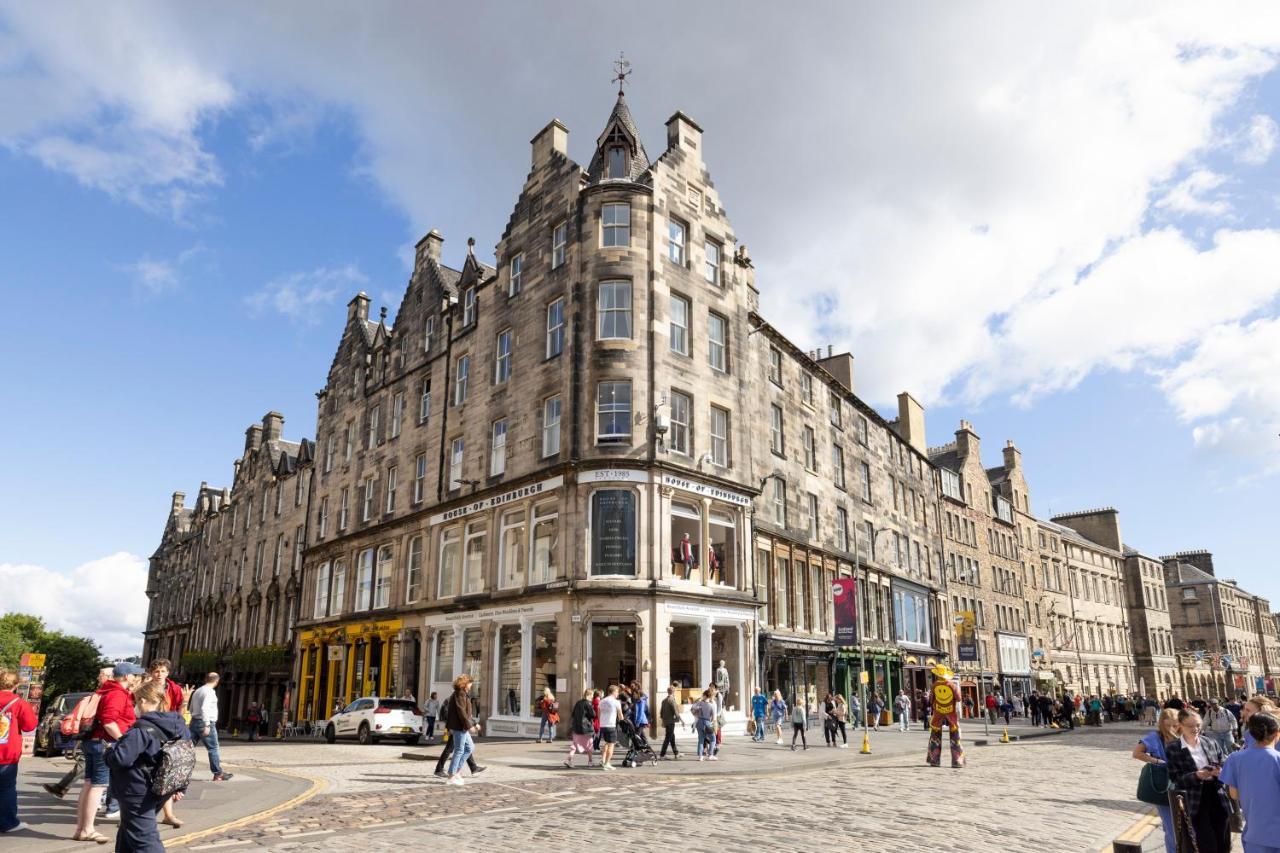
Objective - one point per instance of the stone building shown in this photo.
(1220, 631)
(985, 563)
(224, 581)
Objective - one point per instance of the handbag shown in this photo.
(1153, 784)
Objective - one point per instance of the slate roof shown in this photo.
(949, 458)
(621, 119)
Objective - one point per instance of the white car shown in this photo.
(369, 719)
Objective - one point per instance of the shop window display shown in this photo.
(509, 668)
(543, 646)
(613, 654)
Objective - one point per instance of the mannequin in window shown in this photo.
(686, 555)
(713, 565)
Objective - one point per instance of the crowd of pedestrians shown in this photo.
(1213, 769)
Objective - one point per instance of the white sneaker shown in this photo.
(702, 758)
(19, 828)
(115, 815)
(779, 741)
(844, 746)
(714, 758)
(607, 766)
(455, 780)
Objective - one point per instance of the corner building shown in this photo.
(537, 474)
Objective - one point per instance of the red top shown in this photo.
(173, 691)
(18, 719)
(115, 705)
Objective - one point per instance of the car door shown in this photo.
(342, 720)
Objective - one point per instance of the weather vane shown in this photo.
(622, 69)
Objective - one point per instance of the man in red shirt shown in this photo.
(16, 719)
(177, 696)
(115, 716)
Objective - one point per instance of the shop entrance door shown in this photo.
(613, 653)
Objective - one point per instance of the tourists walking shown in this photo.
(595, 703)
(1033, 708)
(176, 697)
(669, 714)
(799, 721)
(1194, 764)
(460, 722)
(875, 705)
(204, 723)
(903, 706)
(581, 729)
(1254, 705)
(828, 724)
(1253, 777)
(549, 711)
(133, 762)
(640, 711)
(1220, 724)
(253, 721)
(1151, 750)
(17, 720)
(112, 719)
(839, 715)
(608, 714)
(777, 713)
(1006, 708)
(431, 710)
(59, 789)
(704, 716)
(759, 709)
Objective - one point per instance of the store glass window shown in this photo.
(511, 551)
(543, 548)
(472, 655)
(543, 645)
(784, 591)
(509, 669)
(474, 546)
(444, 656)
(613, 532)
(450, 568)
(724, 547)
(686, 531)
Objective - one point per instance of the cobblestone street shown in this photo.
(1073, 790)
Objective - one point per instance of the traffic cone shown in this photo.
(866, 743)
(1004, 738)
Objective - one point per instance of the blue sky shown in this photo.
(1059, 224)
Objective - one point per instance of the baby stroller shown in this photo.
(639, 751)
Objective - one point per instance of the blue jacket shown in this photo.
(134, 755)
(640, 712)
(758, 705)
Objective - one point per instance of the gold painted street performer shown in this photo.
(945, 709)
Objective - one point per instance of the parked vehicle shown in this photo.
(369, 719)
(49, 737)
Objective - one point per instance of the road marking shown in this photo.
(523, 790)
(317, 786)
(220, 844)
(384, 823)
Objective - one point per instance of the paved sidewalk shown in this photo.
(208, 804)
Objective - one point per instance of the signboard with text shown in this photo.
(844, 599)
(966, 636)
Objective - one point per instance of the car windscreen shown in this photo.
(397, 705)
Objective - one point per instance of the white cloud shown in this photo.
(103, 599)
(302, 297)
(1258, 140)
(156, 277)
(1187, 196)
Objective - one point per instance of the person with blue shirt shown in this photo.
(1151, 750)
(777, 713)
(759, 707)
(1252, 777)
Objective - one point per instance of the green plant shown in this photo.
(261, 658)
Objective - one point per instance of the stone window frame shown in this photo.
(677, 241)
(684, 426)
(721, 346)
(515, 274)
(613, 314)
(547, 426)
(614, 437)
(554, 342)
(559, 244)
(502, 366)
(615, 229)
(677, 332)
(721, 440)
(498, 451)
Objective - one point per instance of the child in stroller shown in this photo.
(639, 751)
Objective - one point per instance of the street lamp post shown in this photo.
(862, 647)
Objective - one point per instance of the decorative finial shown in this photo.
(471, 246)
(621, 69)
(382, 315)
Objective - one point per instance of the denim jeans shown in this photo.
(759, 735)
(904, 720)
(706, 737)
(8, 796)
(462, 749)
(207, 732)
(547, 726)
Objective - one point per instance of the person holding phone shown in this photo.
(1194, 764)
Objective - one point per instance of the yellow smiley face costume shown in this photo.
(944, 711)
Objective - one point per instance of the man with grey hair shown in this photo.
(203, 706)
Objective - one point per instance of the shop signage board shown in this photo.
(613, 475)
(844, 598)
(515, 610)
(706, 491)
(684, 609)
(613, 532)
(336, 652)
(966, 636)
(527, 491)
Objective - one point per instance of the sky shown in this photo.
(1058, 221)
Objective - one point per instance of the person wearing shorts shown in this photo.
(610, 711)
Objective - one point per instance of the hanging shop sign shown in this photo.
(844, 600)
(706, 491)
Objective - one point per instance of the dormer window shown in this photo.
(617, 160)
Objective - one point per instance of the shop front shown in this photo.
(801, 669)
(703, 641)
(340, 663)
(511, 654)
(1015, 664)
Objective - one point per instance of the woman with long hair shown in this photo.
(1151, 750)
(1194, 765)
(132, 762)
(462, 725)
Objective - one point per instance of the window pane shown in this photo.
(449, 574)
(474, 581)
(613, 532)
(717, 341)
(509, 669)
(681, 411)
(543, 550)
(614, 310)
(512, 550)
(616, 225)
(444, 656)
(542, 671)
(675, 241)
(614, 411)
(679, 308)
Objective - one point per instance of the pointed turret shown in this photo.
(620, 156)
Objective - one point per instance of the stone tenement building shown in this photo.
(1224, 637)
(597, 462)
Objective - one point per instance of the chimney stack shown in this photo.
(428, 248)
(1012, 456)
(967, 441)
(551, 140)
(175, 505)
(358, 307)
(253, 437)
(684, 132)
(911, 422)
(272, 426)
(841, 367)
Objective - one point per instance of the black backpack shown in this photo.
(173, 766)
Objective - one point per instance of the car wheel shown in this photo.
(365, 736)
(330, 734)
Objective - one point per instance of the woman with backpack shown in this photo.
(549, 710)
(149, 758)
